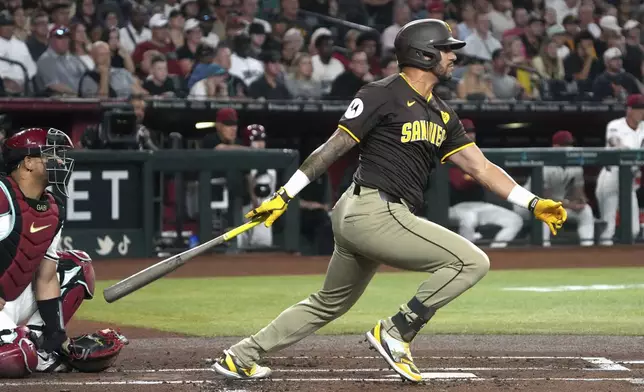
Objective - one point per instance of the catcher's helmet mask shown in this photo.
(48, 143)
(419, 45)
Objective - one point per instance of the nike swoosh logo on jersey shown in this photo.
(410, 103)
(34, 229)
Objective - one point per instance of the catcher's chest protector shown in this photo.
(30, 237)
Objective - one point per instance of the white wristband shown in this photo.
(521, 196)
(298, 181)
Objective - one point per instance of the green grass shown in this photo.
(242, 305)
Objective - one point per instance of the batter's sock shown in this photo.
(411, 318)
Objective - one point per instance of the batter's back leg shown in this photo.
(346, 279)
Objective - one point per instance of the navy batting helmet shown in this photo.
(418, 43)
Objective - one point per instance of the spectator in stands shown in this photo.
(350, 81)
(39, 38)
(213, 84)
(587, 20)
(368, 42)
(501, 17)
(435, 9)
(79, 44)
(299, 82)
(105, 81)
(634, 57)
(236, 87)
(269, 86)
(475, 85)
(536, 7)
(548, 64)
(521, 18)
(571, 25)
(288, 11)
(176, 29)
(20, 30)
(550, 17)
(292, 44)
(234, 28)
(614, 83)
(189, 9)
(111, 20)
(159, 41)
(206, 23)
(242, 64)
(135, 31)
(504, 86)
(159, 83)
(257, 36)
(59, 71)
(481, 43)
(560, 37)
(349, 44)
(402, 15)
(532, 37)
(610, 31)
(13, 76)
(582, 65)
(389, 66)
(60, 14)
(186, 53)
(168, 7)
(565, 8)
(86, 13)
(222, 11)
(468, 17)
(325, 67)
(248, 14)
(418, 9)
(120, 56)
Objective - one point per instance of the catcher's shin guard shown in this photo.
(18, 356)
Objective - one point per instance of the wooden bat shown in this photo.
(164, 267)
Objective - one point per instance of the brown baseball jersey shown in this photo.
(402, 135)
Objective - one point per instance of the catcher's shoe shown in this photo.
(230, 368)
(395, 352)
(51, 363)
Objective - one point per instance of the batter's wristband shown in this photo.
(533, 204)
(284, 195)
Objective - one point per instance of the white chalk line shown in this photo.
(393, 378)
(594, 287)
(632, 362)
(425, 357)
(366, 370)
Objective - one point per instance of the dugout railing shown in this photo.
(533, 161)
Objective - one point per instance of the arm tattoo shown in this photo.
(319, 161)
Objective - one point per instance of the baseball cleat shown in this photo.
(50, 363)
(395, 352)
(230, 368)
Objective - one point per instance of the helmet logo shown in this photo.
(448, 28)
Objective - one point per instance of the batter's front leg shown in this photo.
(346, 279)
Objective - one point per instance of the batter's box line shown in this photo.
(605, 364)
(423, 357)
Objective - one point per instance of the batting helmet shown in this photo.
(255, 132)
(48, 143)
(418, 43)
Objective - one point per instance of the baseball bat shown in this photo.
(164, 267)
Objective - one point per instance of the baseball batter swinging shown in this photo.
(402, 130)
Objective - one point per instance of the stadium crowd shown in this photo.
(290, 49)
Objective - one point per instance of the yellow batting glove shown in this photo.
(551, 212)
(273, 207)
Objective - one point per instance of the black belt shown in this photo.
(383, 195)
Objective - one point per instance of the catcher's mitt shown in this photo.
(94, 352)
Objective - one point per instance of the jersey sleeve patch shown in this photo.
(365, 111)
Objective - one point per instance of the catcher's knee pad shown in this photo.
(18, 357)
(77, 279)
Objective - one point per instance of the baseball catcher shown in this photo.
(34, 308)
